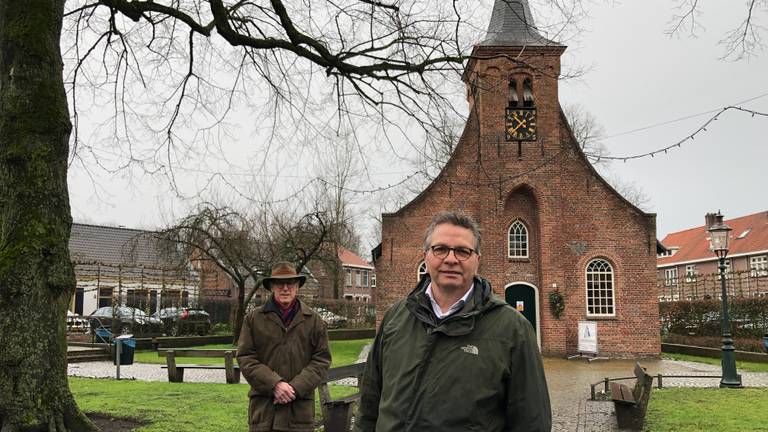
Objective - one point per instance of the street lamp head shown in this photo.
(719, 234)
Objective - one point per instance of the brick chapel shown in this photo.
(552, 227)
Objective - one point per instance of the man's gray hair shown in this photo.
(453, 218)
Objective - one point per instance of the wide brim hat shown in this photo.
(281, 271)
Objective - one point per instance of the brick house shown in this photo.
(359, 277)
(550, 223)
(355, 277)
(689, 270)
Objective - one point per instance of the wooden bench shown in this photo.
(337, 414)
(631, 404)
(176, 371)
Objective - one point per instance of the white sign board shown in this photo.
(588, 337)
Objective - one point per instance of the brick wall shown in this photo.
(571, 213)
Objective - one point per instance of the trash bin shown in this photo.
(127, 348)
(103, 335)
(765, 342)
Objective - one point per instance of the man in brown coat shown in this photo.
(283, 353)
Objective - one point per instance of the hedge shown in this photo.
(749, 317)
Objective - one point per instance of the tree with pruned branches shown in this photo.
(169, 72)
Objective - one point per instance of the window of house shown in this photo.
(518, 240)
(373, 280)
(170, 298)
(349, 277)
(758, 266)
(365, 278)
(670, 276)
(421, 271)
(105, 297)
(690, 273)
(358, 278)
(599, 281)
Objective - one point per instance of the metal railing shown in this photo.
(658, 377)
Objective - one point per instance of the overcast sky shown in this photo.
(639, 83)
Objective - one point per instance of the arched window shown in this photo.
(527, 93)
(600, 297)
(518, 240)
(513, 98)
(421, 271)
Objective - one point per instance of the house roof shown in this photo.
(693, 244)
(512, 25)
(113, 245)
(349, 258)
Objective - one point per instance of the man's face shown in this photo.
(449, 273)
(285, 291)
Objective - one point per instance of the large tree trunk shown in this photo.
(36, 276)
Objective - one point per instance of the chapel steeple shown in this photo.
(512, 79)
(512, 25)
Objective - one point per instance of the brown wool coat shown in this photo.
(268, 353)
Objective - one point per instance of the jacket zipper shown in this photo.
(432, 342)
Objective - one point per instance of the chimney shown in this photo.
(709, 220)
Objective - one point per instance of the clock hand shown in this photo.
(511, 131)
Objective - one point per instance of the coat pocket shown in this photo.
(303, 414)
(261, 413)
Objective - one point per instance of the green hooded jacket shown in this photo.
(476, 370)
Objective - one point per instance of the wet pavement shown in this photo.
(569, 387)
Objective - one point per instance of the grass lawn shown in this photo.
(188, 407)
(740, 365)
(173, 407)
(343, 352)
(707, 409)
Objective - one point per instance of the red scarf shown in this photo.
(287, 313)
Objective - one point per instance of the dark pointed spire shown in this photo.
(512, 25)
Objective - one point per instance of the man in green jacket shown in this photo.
(452, 356)
(283, 353)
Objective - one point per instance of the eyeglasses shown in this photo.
(461, 253)
(285, 283)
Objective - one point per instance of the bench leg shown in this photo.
(233, 377)
(338, 416)
(176, 374)
(629, 417)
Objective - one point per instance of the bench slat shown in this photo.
(622, 394)
(195, 366)
(341, 372)
(206, 353)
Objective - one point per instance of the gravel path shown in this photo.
(154, 372)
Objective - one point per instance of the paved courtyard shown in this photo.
(568, 381)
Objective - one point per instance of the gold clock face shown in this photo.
(520, 125)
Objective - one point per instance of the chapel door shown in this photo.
(523, 298)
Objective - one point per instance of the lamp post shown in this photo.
(718, 242)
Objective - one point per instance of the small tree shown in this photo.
(245, 248)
